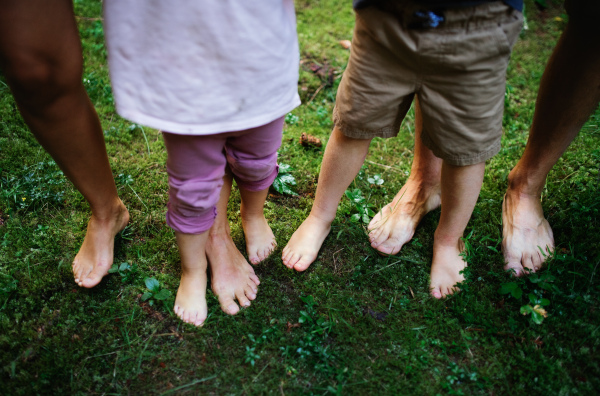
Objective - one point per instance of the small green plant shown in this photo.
(284, 180)
(536, 304)
(361, 209)
(155, 292)
(127, 271)
(375, 180)
(291, 119)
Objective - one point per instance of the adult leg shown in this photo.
(460, 189)
(396, 222)
(231, 276)
(569, 93)
(40, 54)
(304, 246)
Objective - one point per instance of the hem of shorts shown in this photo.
(361, 133)
(201, 228)
(206, 129)
(258, 185)
(462, 160)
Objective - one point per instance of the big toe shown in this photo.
(303, 263)
(515, 267)
(94, 277)
(391, 246)
(436, 292)
(229, 306)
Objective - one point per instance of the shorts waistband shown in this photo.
(417, 16)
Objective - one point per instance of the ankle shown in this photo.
(443, 240)
(524, 183)
(109, 211)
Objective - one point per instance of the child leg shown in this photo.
(190, 303)
(252, 157)
(342, 160)
(195, 166)
(460, 190)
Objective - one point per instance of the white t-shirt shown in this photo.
(202, 67)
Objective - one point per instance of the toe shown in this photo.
(255, 279)
(229, 306)
(514, 266)
(292, 260)
(436, 292)
(303, 264)
(250, 294)
(242, 299)
(528, 263)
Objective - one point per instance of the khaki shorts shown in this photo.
(458, 71)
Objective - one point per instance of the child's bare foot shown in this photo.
(396, 223)
(445, 268)
(260, 241)
(231, 276)
(190, 303)
(525, 231)
(95, 257)
(304, 245)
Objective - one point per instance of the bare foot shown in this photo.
(304, 245)
(190, 303)
(95, 257)
(260, 241)
(396, 223)
(445, 268)
(525, 231)
(231, 276)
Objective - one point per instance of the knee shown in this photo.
(255, 171)
(39, 79)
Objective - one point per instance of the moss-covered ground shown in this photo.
(355, 322)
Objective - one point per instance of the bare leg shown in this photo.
(190, 303)
(395, 224)
(40, 54)
(303, 247)
(231, 276)
(460, 189)
(260, 241)
(569, 93)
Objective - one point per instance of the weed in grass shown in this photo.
(127, 272)
(156, 293)
(284, 180)
(35, 186)
(538, 284)
(361, 211)
(291, 119)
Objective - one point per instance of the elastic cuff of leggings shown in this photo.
(190, 224)
(258, 185)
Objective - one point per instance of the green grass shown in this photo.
(355, 322)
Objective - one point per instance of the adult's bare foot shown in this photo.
(190, 303)
(526, 234)
(304, 245)
(232, 278)
(260, 241)
(446, 267)
(396, 223)
(95, 257)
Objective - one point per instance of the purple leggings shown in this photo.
(196, 166)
